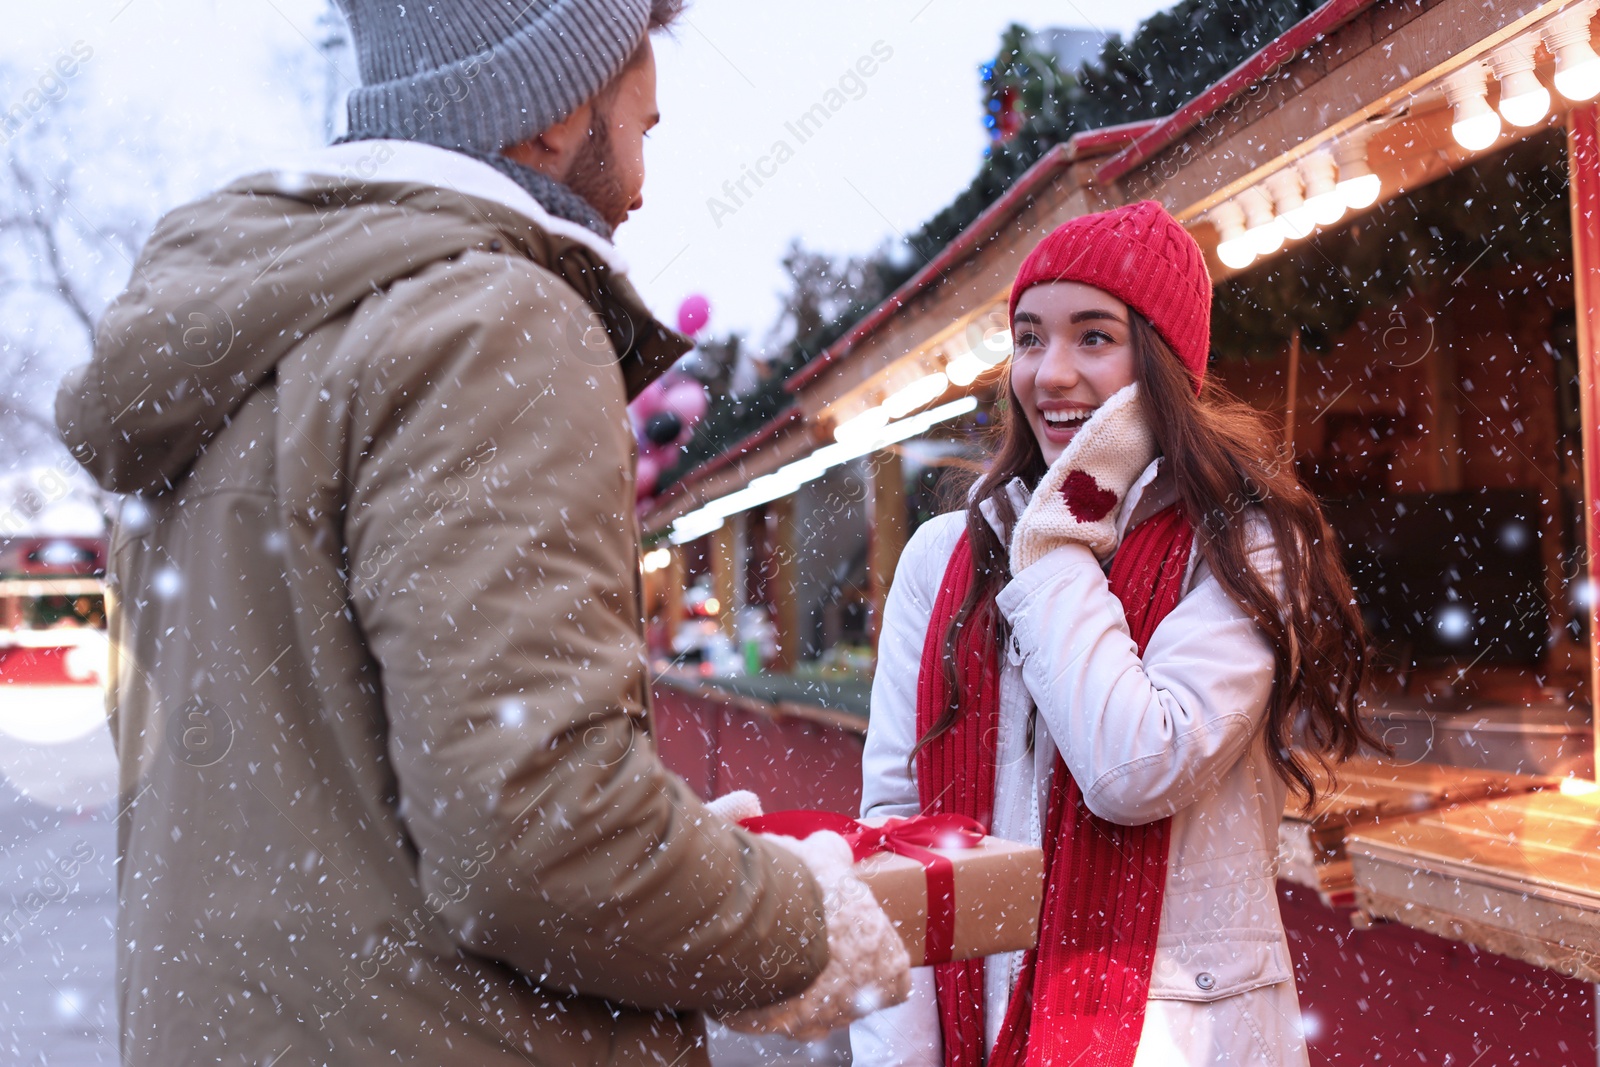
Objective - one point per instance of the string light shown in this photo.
(1577, 66)
(925, 390)
(964, 369)
(1324, 203)
(1260, 228)
(1476, 125)
(1523, 100)
(1306, 196)
(710, 516)
(1284, 188)
(869, 422)
(1232, 248)
(1357, 184)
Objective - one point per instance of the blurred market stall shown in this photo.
(1401, 206)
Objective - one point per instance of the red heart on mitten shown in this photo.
(1085, 499)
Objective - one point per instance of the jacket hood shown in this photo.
(230, 284)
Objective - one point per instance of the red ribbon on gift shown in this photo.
(915, 838)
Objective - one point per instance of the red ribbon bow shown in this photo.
(914, 838)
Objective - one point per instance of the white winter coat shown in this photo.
(1176, 733)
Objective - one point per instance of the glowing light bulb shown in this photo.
(1289, 204)
(1529, 101)
(1523, 100)
(1577, 66)
(862, 426)
(1477, 125)
(1236, 253)
(1232, 248)
(964, 369)
(1261, 232)
(924, 390)
(1358, 186)
(1580, 80)
(1324, 203)
(1361, 191)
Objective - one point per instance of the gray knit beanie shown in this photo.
(479, 75)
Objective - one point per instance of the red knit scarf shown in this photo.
(1081, 994)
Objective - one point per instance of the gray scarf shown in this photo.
(553, 196)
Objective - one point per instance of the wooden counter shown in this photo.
(1367, 793)
(1519, 876)
(791, 755)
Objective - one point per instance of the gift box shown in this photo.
(951, 891)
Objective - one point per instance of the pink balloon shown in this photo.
(688, 399)
(645, 478)
(693, 314)
(662, 456)
(649, 401)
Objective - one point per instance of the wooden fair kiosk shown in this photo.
(1444, 904)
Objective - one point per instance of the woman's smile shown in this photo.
(1059, 425)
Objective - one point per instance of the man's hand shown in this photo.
(868, 968)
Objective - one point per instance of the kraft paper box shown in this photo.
(999, 886)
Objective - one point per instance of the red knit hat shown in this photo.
(1140, 255)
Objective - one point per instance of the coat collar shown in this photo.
(1150, 492)
(409, 162)
(389, 171)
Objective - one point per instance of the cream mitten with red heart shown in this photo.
(1081, 494)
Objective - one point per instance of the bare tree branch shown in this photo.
(44, 221)
(53, 274)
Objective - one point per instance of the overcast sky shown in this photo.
(217, 87)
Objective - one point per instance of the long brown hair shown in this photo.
(1224, 463)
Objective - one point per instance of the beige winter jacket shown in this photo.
(381, 697)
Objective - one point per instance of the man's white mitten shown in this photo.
(1081, 494)
(736, 806)
(868, 967)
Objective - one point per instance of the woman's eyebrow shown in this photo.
(1028, 317)
(1089, 314)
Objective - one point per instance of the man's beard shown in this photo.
(592, 177)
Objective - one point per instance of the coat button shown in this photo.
(1206, 981)
(494, 246)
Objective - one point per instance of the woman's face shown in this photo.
(1072, 351)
